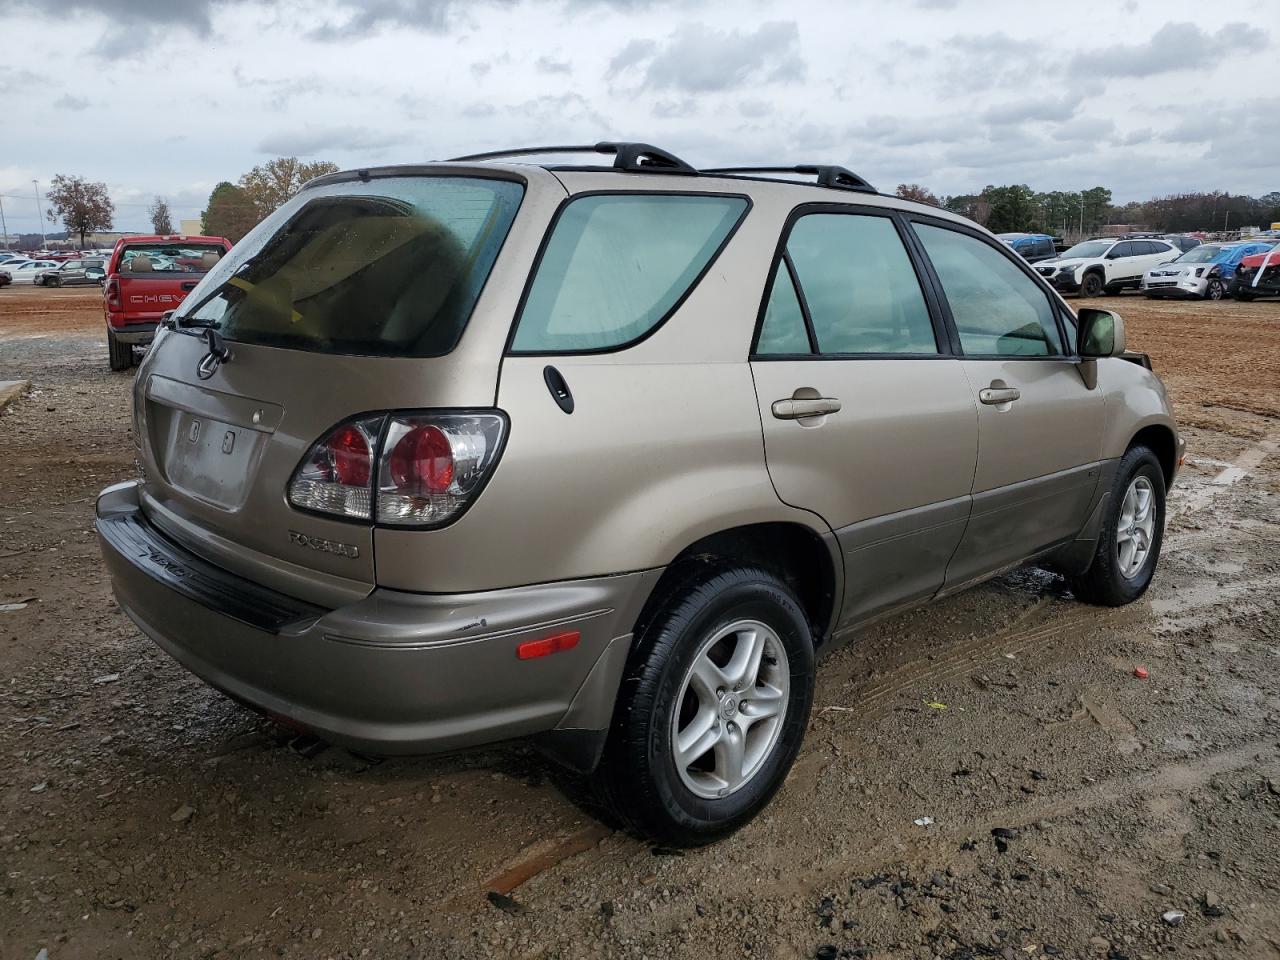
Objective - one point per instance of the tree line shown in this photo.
(85, 207)
(1016, 207)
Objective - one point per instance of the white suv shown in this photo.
(1106, 265)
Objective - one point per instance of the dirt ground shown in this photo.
(1072, 804)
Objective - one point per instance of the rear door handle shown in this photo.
(995, 395)
(792, 409)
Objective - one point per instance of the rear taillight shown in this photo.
(336, 473)
(112, 292)
(400, 469)
(432, 464)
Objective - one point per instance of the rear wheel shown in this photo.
(1216, 290)
(54, 282)
(712, 709)
(1091, 286)
(1245, 295)
(119, 355)
(1133, 529)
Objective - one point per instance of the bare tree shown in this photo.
(83, 207)
(161, 221)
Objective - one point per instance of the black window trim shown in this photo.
(1067, 343)
(941, 335)
(510, 351)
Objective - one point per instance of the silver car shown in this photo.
(606, 456)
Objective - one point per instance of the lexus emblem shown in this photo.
(218, 354)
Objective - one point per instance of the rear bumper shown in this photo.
(394, 673)
(137, 334)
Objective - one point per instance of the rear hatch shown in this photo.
(350, 300)
(152, 277)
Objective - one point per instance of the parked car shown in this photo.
(1257, 276)
(6, 277)
(1105, 265)
(27, 271)
(147, 276)
(71, 273)
(459, 452)
(1033, 247)
(1202, 272)
(1182, 241)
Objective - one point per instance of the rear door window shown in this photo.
(617, 265)
(998, 310)
(388, 267)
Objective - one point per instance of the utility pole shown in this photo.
(1081, 214)
(44, 241)
(1225, 218)
(4, 227)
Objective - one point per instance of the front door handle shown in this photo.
(793, 409)
(998, 395)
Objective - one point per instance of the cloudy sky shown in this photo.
(170, 96)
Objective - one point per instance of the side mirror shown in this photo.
(1101, 333)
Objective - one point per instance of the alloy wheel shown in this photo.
(731, 708)
(1135, 528)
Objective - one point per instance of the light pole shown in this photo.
(4, 227)
(44, 242)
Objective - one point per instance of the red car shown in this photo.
(147, 276)
(1246, 284)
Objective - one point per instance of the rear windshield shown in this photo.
(391, 267)
(184, 257)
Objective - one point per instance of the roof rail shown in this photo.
(827, 176)
(632, 157)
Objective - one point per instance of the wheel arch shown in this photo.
(1159, 438)
(809, 562)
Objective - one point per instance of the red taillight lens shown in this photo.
(429, 466)
(352, 459)
(335, 476)
(112, 293)
(421, 463)
(432, 465)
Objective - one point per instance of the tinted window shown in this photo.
(859, 285)
(1125, 249)
(783, 329)
(616, 264)
(998, 309)
(391, 267)
(1044, 248)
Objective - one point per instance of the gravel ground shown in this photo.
(1073, 805)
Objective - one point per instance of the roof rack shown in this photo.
(632, 157)
(827, 176)
(646, 158)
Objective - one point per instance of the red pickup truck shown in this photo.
(147, 276)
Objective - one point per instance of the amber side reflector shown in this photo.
(548, 645)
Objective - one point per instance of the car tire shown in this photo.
(54, 282)
(716, 619)
(1215, 290)
(1113, 289)
(119, 355)
(1243, 295)
(1132, 532)
(1091, 285)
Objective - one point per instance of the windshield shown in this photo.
(391, 267)
(1090, 248)
(1205, 253)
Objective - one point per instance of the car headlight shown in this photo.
(1199, 271)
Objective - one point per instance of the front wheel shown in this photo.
(1132, 531)
(1243, 295)
(1091, 286)
(712, 709)
(54, 282)
(1216, 290)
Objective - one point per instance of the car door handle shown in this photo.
(793, 409)
(995, 395)
(189, 285)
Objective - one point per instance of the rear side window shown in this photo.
(185, 257)
(389, 267)
(616, 265)
(998, 309)
(783, 330)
